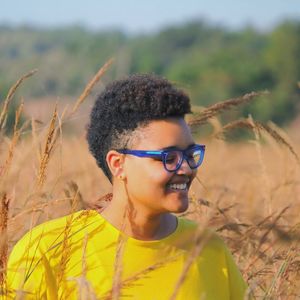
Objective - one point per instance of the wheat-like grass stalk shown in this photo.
(246, 123)
(48, 148)
(116, 286)
(91, 84)
(266, 183)
(201, 240)
(66, 252)
(15, 138)
(274, 221)
(55, 245)
(50, 278)
(279, 274)
(66, 249)
(85, 289)
(279, 138)
(213, 110)
(34, 137)
(4, 208)
(265, 226)
(141, 274)
(37, 208)
(118, 266)
(73, 194)
(10, 95)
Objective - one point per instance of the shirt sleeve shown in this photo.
(237, 285)
(25, 270)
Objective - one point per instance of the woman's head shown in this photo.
(126, 106)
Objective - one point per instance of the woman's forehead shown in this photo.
(164, 133)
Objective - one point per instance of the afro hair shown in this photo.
(127, 104)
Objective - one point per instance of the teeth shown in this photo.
(180, 186)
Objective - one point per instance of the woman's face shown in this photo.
(149, 186)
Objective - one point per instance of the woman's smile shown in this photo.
(181, 183)
(177, 186)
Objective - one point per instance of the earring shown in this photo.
(121, 177)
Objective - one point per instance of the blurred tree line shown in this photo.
(212, 63)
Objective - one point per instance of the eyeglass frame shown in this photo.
(162, 154)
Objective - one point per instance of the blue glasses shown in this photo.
(172, 158)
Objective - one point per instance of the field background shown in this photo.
(248, 191)
(248, 188)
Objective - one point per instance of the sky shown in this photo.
(137, 16)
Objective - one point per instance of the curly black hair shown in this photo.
(126, 105)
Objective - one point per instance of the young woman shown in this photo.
(136, 248)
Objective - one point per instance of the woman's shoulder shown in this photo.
(54, 231)
(73, 220)
(193, 233)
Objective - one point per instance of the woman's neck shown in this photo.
(136, 222)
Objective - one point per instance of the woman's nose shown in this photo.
(184, 168)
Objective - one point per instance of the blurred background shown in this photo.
(215, 50)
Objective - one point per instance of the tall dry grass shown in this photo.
(248, 191)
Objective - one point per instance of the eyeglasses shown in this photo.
(172, 158)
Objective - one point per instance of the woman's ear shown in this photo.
(115, 162)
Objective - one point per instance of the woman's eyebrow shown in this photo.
(176, 147)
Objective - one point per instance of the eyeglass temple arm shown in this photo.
(142, 153)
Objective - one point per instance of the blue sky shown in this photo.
(137, 16)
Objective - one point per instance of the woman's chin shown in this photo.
(179, 206)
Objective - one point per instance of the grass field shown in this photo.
(248, 191)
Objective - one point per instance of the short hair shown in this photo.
(126, 105)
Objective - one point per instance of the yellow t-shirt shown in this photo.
(82, 256)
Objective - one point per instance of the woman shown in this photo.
(136, 248)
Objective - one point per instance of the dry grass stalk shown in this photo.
(271, 292)
(118, 265)
(91, 84)
(116, 286)
(48, 148)
(101, 203)
(142, 274)
(264, 228)
(202, 238)
(214, 109)
(34, 137)
(52, 287)
(9, 96)
(246, 123)
(271, 226)
(36, 208)
(15, 138)
(66, 249)
(266, 183)
(4, 208)
(75, 197)
(85, 289)
(216, 124)
(283, 285)
(66, 253)
(279, 138)
(84, 261)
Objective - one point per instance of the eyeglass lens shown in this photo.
(174, 158)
